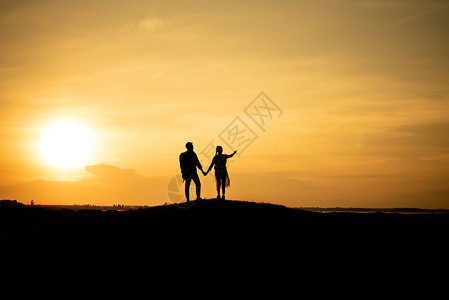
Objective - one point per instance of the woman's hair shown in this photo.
(219, 150)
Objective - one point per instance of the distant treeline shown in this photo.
(373, 210)
(15, 203)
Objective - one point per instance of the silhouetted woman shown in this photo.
(221, 173)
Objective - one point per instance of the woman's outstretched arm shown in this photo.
(230, 155)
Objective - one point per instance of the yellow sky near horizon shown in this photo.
(363, 87)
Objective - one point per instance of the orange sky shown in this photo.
(363, 88)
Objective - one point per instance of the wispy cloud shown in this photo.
(419, 8)
(383, 4)
(144, 24)
(420, 15)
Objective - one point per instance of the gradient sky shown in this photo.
(363, 86)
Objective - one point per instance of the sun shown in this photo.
(66, 143)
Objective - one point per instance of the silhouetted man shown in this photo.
(189, 162)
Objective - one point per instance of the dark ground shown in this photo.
(215, 236)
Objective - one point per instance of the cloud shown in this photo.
(126, 185)
(145, 24)
(383, 4)
(420, 15)
(116, 175)
(148, 24)
(428, 135)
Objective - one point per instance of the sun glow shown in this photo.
(66, 143)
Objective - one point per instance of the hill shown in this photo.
(216, 233)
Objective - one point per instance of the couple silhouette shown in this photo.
(189, 162)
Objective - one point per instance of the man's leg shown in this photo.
(197, 181)
(187, 191)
